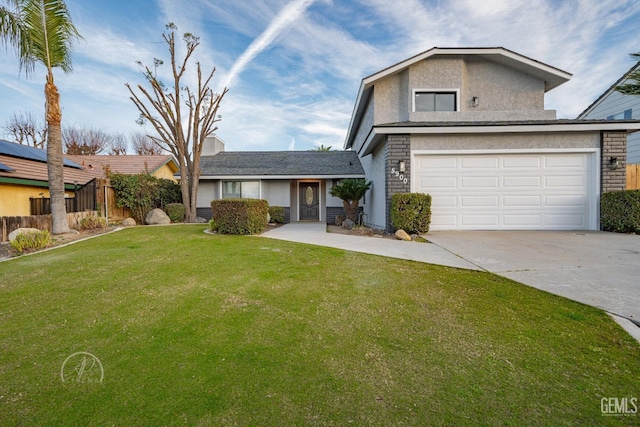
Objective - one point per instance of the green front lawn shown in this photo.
(194, 329)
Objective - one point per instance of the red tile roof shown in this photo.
(37, 171)
(130, 165)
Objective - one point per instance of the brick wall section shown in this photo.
(397, 148)
(614, 144)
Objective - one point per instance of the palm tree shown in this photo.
(632, 88)
(321, 147)
(350, 191)
(42, 32)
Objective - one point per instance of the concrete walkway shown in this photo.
(315, 233)
(595, 268)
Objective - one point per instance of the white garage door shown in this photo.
(507, 191)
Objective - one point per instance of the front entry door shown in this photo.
(309, 201)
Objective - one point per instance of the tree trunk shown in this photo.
(54, 157)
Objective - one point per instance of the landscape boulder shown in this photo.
(157, 217)
(348, 224)
(402, 235)
(14, 233)
(200, 220)
(129, 222)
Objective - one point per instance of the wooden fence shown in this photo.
(85, 198)
(633, 177)
(41, 222)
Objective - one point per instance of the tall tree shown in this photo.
(82, 140)
(143, 145)
(321, 147)
(42, 32)
(118, 145)
(632, 88)
(182, 117)
(26, 129)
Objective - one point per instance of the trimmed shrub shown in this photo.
(92, 223)
(31, 242)
(175, 211)
(411, 212)
(213, 226)
(144, 192)
(240, 216)
(277, 214)
(620, 211)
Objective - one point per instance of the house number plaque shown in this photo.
(400, 176)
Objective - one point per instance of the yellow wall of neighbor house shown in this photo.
(14, 199)
(165, 172)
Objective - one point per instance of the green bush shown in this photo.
(277, 214)
(213, 226)
(620, 211)
(143, 192)
(92, 223)
(411, 212)
(240, 216)
(30, 242)
(175, 212)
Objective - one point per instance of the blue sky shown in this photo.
(293, 68)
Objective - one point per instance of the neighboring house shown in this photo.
(299, 181)
(23, 175)
(468, 126)
(613, 105)
(160, 165)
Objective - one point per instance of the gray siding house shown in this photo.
(299, 181)
(613, 105)
(468, 126)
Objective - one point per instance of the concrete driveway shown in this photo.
(596, 268)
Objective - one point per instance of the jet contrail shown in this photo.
(287, 15)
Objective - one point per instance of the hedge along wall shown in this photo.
(240, 216)
(411, 212)
(620, 211)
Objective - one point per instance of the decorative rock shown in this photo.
(200, 220)
(14, 233)
(348, 224)
(156, 217)
(402, 235)
(129, 222)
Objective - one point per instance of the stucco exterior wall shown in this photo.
(15, 199)
(276, 192)
(208, 191)
(164, 172)
(506, 141)
(334, 202)
(365, 125)
(375, 206)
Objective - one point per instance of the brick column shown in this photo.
(396, 149)
(614, 145)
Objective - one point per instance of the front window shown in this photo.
(435, 101)
(240, 189)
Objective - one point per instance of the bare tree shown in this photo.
(182, 118)
(78, 140)
(143, 145)
(118, 146)
(27, 130)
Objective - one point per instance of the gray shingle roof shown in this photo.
(287, 163)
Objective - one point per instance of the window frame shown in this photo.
(222, 185)
(455, 92)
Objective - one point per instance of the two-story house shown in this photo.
(468, 126)
(613, 105)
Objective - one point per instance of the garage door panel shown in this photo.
(565, 181)
(522, 220)
(479, 182)
(565, 161)
(480, 162)
(507, 191)
(518, 162)
(521, 201)
(480, 201)
(521, 181)
(566, 200)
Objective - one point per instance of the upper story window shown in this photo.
(435, 100)
(626, 115)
